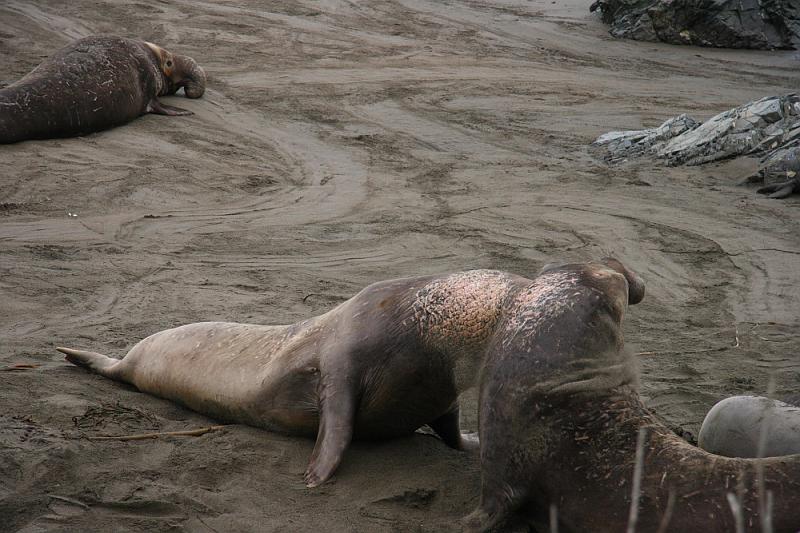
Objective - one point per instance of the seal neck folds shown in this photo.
(566, 323)
(156, 68)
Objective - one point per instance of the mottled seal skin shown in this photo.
(734, 426)
(93, 84)
(560, 415)
(389, 360)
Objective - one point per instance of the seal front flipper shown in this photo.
(493, 511)
(156, 107)
(781, 190)
(337, 416)
(503, 485)
(447, 427)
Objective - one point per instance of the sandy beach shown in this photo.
(338, 144)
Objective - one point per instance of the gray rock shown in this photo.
(762, 24)
(769, 127)
(623, 144)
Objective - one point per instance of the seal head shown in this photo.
(178, 71)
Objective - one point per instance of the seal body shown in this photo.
(92, 84)
(560, 418)
(389, 360)
(734, 426)
(779, 172)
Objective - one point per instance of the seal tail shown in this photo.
(96, 362)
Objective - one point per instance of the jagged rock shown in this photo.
(623, 144)
(769, 127)
(761, 24)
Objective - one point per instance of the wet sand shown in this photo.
(342, 143)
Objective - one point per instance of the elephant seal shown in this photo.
(734, 426)
(95, 83)
(560, 418)
(385, 362)
(778, 171)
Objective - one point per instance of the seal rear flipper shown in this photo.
(157, 108)
(337, 417)
(103, 365)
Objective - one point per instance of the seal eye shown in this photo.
(169, 62)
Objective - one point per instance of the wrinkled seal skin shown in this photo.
(560, 415)
(734, 426)
(389, 360)
(93, 84)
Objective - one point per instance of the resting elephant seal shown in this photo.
(560, 417)
(389, 360)
(95, 83)
(734, 426)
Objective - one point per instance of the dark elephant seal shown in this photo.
(389, 360)
(778, 171)
(735, 425)
(560, 418)
(95, 83)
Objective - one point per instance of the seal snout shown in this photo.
(635, 289)
(191, 76)
(635, 283)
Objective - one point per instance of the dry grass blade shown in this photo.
(764, 498)
(143, 436)
(665, 519)
(736, 509)
(682, 352)
(73, 501)
(766, 520)
(19, 367)
(553, 518)
(636, 488)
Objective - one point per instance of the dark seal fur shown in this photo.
(560, 416)
(93, 84)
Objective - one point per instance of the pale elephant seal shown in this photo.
(560, 418)
(95, 83)
(389, 360)
(734, 426)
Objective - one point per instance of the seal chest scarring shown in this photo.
(389, 360)
(560, 419)
(93, 84)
